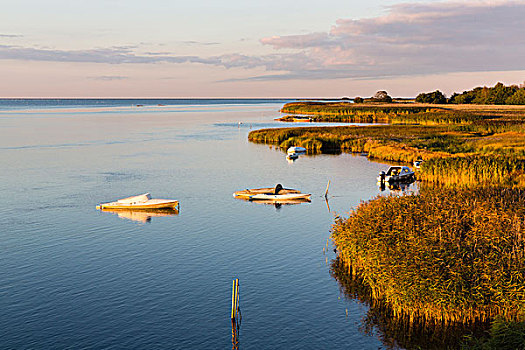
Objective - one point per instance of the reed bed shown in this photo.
(398, 331)
(475, 170)
(386, 113)
(447, 255)
(404, 143)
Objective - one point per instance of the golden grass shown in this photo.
(450, 255)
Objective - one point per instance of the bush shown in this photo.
(358, 100)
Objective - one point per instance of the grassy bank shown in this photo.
(374, 113)
(400, 112)
(451, 255)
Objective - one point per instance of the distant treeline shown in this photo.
(497, 95)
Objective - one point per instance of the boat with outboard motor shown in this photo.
(275, 194)
(396, 174)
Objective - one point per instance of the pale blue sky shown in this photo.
(206, 48)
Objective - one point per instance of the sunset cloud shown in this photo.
(417, 39)
(11, 36)
(410, 39)
(109, 77)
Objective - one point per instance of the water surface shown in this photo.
(75, 277)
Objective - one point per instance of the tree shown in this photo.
(500, 93)
(436, 97)
(517, 99)
(358, 99)
(381, 96)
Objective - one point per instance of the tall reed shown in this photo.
(448, 255)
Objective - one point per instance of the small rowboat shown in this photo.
(140, 202)
(296, 150)
(276, 194)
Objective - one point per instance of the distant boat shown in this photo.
(301, 119)
(417, 163)
(140, 202)
(396, 174)
(296, 150)
(276, 194)
(292, 156)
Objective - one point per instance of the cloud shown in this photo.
(11, 36)
(109, 77)
(410, 39)
(193, 42)
(112, 55)
(416, 39)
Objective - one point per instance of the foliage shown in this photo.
(358, 99)
(449, 255)
(517, 99)
(381, 96)
(498, 95)
(435, 97)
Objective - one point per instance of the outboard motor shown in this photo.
(382, 176)
(277, 189)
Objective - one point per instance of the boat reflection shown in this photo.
(277, 203)
(397, 186)
(398, 331)
(142, 216)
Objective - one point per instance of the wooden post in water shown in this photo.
(235, 299)
(326, 192)
(235, 315)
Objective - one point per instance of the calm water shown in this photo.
(75, 277)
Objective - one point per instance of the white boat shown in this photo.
(417, 163)
(140, 202)
(296, 150)
(396, 174)
(292, 156)
(275, 194)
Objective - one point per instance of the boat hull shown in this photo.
(139, 206)
(281, 197)
(268, 195)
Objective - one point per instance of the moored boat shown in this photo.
(296, 150)
(275, 194)
(292, 156)
(397, 174)
(140, 202)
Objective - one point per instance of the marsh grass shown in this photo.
(474, 170)
(447, 255)
(398, 331)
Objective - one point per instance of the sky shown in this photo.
(253, 48)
